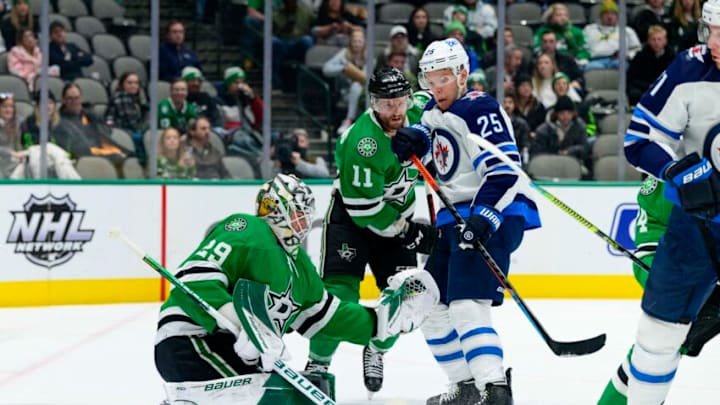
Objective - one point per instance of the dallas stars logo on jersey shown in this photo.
(281, 306)
(367, 147)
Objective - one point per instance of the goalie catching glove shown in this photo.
(406, 302)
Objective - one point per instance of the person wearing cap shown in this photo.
(477, 80)
(173, 54)
(603, 39)
(399, 43)
(241, 106)
(479, 17)
(563, 134)
(561, 87)
(67, 56)
(205, 104)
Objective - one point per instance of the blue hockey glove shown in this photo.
(694, 186)
(419, 238)
(479, 227)
(412, 140)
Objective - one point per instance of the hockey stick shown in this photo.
(568, 349)
(484, 144)
(308, 389)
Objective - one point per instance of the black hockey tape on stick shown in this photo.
(567, 349)
(308, 389)
(484, 144)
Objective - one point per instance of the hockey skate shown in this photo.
(372, 370)
(465, 393)
(705, 327)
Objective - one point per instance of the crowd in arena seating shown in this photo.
(561, 71)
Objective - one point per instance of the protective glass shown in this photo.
(437, 81)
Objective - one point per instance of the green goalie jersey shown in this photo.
(650, 223)
(244, 247)
(375, 188)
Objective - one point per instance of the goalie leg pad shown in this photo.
(654, 359)
(405, 304)
(479, 340)
(444, 344)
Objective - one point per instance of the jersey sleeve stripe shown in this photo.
(364, 210)
(202, 274)
(361, 201)
(313, 319)
(641, 114)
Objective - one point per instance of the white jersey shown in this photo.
(472, 178)
(677, 115)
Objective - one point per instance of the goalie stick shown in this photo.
(484, 144)
(567, 349)
(263, 341)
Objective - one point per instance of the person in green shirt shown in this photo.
(175, 111)
(267, 248)
(369, 220)
(650, 224)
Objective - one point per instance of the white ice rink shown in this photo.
(103, 355)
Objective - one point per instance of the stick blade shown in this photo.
(579, 348)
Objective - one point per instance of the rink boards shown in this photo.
(55, 247)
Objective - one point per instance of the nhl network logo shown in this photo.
(47, 230)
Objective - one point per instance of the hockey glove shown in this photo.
(412, 140)
(694, 186)
(419, 238)
(250, 355)
(479, 228)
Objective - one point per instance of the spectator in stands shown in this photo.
(241, 106)
(175, 159)
(477, 80)
(561, 87)
(418, 28)
(457, 30)
(82, 134)
(208, 160)
(649, 63)
(398, 61)
(651, 13)
(543, 74)
(514, 65)
(30, 128)
(128, 111)
(684, 24)
(565, 63)
(489, 59)
(291, 156)
(520, 126)
(570, 39)
(348, 66)
(20, 18)
(11, 151)
(603, 39)
(68, 57)
(334, 23)
(481, 18)
(176, 111)
(292, 24)
(173, 54)
(25, 59)
(526, 103)
(204, 103)
(563, 134)
(399, 43)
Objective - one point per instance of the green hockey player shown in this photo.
(650, 223)
(266, 248)
(369, 220)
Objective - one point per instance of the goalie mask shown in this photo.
(288, 205)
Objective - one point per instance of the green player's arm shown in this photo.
(365, 204)
(213, 291)
(332, 318)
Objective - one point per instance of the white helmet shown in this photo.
(710, 16)
(288, 205)
(445, 54)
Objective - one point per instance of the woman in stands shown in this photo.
(11, 153)
(349, 64)
(128, 110)
(25, 59)
(174, 161)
